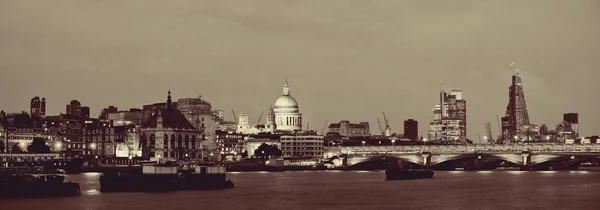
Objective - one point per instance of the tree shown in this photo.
(16, 149)
(265, 150)
(38, 146)
(245, 154)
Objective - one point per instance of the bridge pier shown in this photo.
(526, 161)
(426, 159)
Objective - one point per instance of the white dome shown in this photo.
(286, 102)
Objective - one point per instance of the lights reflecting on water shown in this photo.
(517, 172)
(92, 192)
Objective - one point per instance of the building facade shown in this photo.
(302, 146)
(345, 128)
(450, 117)
(168, 134)
(230, 144)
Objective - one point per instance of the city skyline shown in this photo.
(352, 71)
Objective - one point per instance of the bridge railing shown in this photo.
(546, 148)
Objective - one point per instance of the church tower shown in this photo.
(270, 121)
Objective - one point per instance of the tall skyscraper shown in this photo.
(38, 107)
(411, 129)
(450, 117)
(516, 119)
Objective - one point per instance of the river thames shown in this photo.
(350, 190)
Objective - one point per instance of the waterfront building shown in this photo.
(38, 107)
(450, 117)
(304, 146)
(230, 144)
(99, 138)
(347, 129)
(168, 133)
(411, 129)
(286, 111)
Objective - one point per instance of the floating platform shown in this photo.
(406, 174)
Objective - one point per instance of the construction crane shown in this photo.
(488, 131)
(261, 114)
(388, 130)
(234, 116)
(380, 129)
(499, 129)
(324, 126)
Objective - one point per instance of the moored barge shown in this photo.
(168, 176)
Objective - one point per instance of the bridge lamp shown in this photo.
(363, 142)
(572, 157)
(393, 142)
(547, 138)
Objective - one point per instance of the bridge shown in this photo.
(469, 157)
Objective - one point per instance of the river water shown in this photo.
(350, 190)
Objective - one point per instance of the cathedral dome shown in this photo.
(286, 101)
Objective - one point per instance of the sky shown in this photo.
(344, 59)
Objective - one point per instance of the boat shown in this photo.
(49, 160)
(405, 174)
(36, 186)
(166, 176)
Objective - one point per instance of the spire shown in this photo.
(169, 102)
(286, 88)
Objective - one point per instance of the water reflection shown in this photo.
(322, 190)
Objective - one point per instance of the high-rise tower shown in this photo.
(516, 116)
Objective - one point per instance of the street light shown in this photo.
(363, 143)
(393, 142)
(58, 145)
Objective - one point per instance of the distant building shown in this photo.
(131, 117)
(345, 128)
(302, 146)
(85, 112)
(573, 120)
(515, 123)
(411, 129)
(220, 115)
(106, 111)
(74, 108)
(38, 107)
(450, 117)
